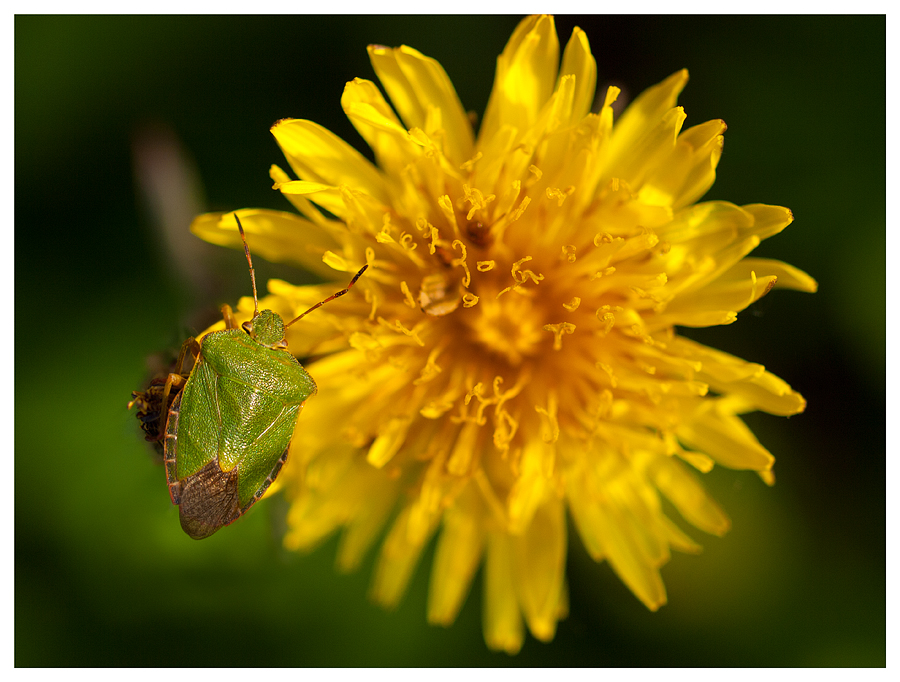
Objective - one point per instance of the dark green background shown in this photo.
(103, 573)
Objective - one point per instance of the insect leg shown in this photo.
(228, 315)
(176, 379)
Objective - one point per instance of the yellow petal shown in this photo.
(687, 307)
(702, 149)
(376, 122)
(697, 460)
(356, 208)
(719, 222)
(643, 115)
(496, 150)
(721, 366)
(768, 220)
(726, 439)
(788, 277)
(273, 235)
(689, 497)
(734, 290)
(390, 438)
(557, 112)
(601, 519)
(727, 374)
(690, 317)
(650, 151)
(501, 618)
(768, 393)
(320, 507)
(456, 558)
(530, 487)
(579, 62)
(555, 139)
(678, 539)
(743, 283)
(377, 497)
(318, 155)
(398, 558)
(690, 170)
(583, 508)
(626, 558)
(327, 196)
(539, 559)
(417, 84)
(525, 78)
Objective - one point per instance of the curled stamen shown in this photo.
(446, 207)
(430, 370)
(605, 272)
(559, 194)
(608, 320)
(407, 295)
(384, 237)
(435, 237)
(398, 326)
(470, 164)
(515, 215)
(558, 330)
(461, 261)
(520, 276)
(477, 199)
(608, 370)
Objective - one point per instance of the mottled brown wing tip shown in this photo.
(209, 501)
(197, 528)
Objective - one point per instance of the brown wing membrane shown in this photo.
(209, 500)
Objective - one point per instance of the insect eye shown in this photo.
(248, 327)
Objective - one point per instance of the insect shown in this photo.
(152, 410)
(229, 421)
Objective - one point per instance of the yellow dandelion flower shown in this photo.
(513, 356)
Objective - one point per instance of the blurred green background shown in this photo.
(143, 121)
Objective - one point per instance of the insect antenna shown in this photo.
(253, 273)
(330, 298)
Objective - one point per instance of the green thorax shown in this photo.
(234, 355)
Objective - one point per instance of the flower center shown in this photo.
(510, 326)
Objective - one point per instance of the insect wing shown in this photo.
(209, 501)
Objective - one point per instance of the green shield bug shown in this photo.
(230, 420)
